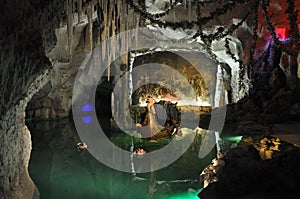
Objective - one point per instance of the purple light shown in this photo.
(87, 108)
(87, 119)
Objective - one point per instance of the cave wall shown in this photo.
(96, 22)
(15, 150)
(169, 59)
(27, 37)
(27, 32)
(239, 43)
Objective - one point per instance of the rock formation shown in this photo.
(27, 33)
(264, 167)
(44, 42)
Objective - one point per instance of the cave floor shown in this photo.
(60, 171)
(288, 131)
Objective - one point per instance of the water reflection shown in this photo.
(61, 171)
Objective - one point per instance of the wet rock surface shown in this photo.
(254, 117)
(27, 32)
(210, 173)
(15, 150)
(258, 168)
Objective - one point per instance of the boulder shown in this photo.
(249, 127)
(277, 79)
(249, 173)
(266, 118)
(295, 111)
(279, 103)
(243, 111)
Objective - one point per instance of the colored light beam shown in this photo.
(87, 119)
(87, 108)
(233, 138)
(281, 33)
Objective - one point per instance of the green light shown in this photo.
(186, 195)
(233, 138)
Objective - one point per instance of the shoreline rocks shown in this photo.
(264, 167)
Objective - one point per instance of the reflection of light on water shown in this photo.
(87, 119)
(187, 195)
(233, 138)
(193, 102)
(142, 104)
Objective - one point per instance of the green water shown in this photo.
(62, 172)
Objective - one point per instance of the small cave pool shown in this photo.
(60, 171)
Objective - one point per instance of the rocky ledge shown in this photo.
(259, 168)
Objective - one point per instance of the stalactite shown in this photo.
(264, 7)
(70, 25)
(117, 13)
(119, 16)
(74, 8)
(294, 30)
(142, 5)
(189, 9)
(253, 46)
(104, 35)
(123, 26)
(90, 12)
(113, 47)
(298, 61)
(108, 73)
(99, 21)
(109, 25)
(79, 5)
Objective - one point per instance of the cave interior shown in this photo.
(159, 99)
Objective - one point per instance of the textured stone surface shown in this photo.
(57, 103)
(27, 32)
(16, 146)
(259, 168)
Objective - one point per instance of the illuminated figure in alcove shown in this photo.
(151, 127)
(150, 120)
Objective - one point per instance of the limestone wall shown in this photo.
(28, 36)
(15, 150)
(27, 32)
(91, 24)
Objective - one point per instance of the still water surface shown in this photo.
(62, 172)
